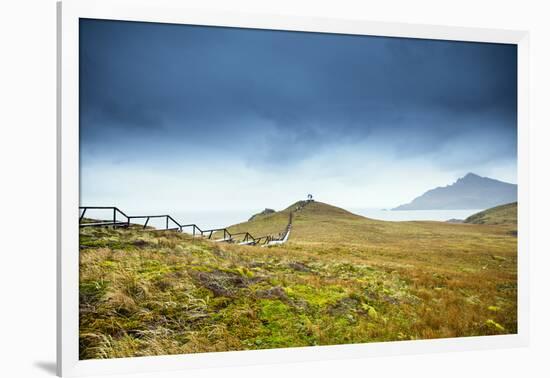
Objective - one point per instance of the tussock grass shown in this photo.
(342, 278)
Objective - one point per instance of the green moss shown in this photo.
(150, 269)
(274, 310)
(370, 310)
(321, 297)
(241, 271)
(281, 326)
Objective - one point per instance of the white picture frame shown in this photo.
(69, 12)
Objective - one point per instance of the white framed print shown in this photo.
(254, 188)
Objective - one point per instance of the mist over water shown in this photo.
(213, 219)
(224, 218)
(220, 219)
(415, 215)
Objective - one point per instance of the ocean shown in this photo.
(414, 215)
(220, 219)
(223, 218)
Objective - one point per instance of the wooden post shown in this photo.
(83, 212)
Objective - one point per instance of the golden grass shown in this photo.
(504, 214)
(342, 278)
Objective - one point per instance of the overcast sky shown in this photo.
(176, 117)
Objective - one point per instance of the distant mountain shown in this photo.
(469, 192)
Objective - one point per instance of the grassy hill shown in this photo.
(341, 278)
(322, 226)
(500, 215)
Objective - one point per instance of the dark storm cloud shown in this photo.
(268, 96)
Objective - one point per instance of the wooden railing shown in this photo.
(110, 222)
(121, 219)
